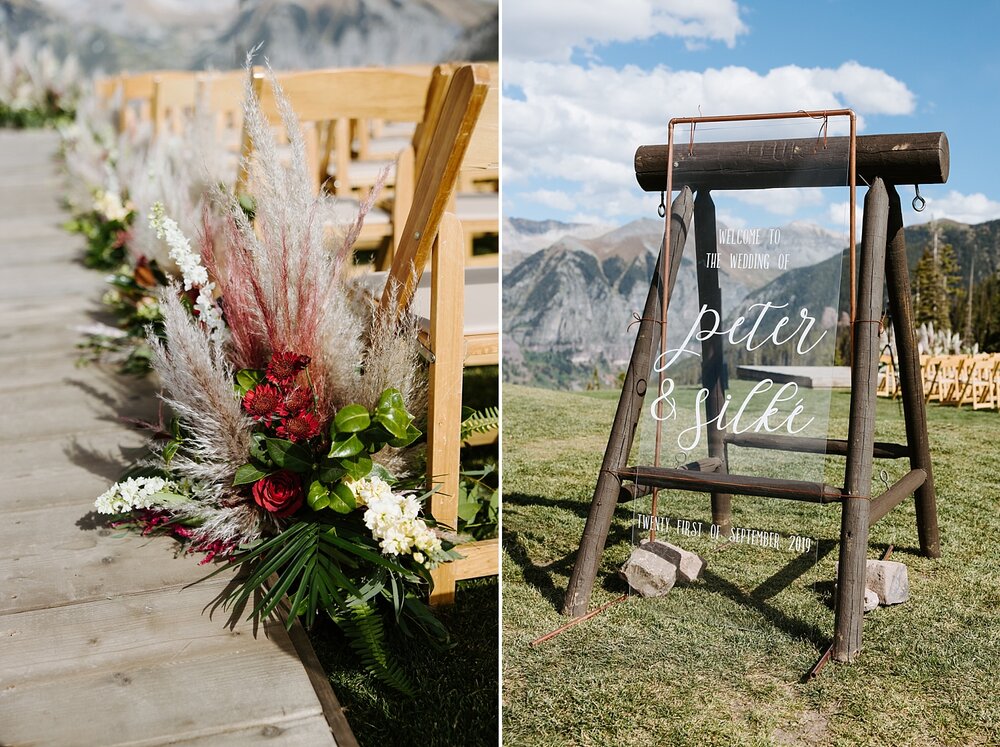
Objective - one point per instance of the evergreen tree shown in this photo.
(936, 288)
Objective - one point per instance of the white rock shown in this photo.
(689, 564)
(871, 600)
(649, 574)
(889, 580)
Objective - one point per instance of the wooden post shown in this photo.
(861, 433)
(712, 359)
(910, 379)
(444, 406)
(602, 507)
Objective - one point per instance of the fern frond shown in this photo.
(363, 626)
(480, 421)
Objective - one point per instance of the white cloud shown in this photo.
(551, 30)
(550, 198)
(974, 208)
(583, 124)
(786, 202)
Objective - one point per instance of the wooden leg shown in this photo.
(861, 434)
(712, 360)
(444, 407)
(602, 506)
(914, 410)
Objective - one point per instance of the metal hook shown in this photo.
(662, 209)
(918, 200)
(684, 456)
(884, 477)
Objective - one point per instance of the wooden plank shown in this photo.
(911, 158)
(606, 492)
(150, 702)
(854, 524)
(108, 634)
(481, 558)
(64, 470)
(55, 556)
(911, 380)
(306, 732)
(76, 406)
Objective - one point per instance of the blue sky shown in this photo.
(586, 82)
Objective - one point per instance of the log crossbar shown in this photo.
(914, 158)
(835, 446)
(764, 487)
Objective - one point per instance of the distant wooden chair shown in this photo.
(325, 102)
(137, 97)
(431, 232)
(173, 103)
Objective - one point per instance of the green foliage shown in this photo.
(478, 503)
(479, 421)
(105, 239)
(935, 285)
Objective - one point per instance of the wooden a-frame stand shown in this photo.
(882, 162)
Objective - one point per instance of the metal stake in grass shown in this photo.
(577, 620)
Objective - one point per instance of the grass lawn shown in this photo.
(721, 662)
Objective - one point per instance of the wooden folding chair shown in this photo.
(137, 97)
(431, 232)
(172, 103)
(327, 100)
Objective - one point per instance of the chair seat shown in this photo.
(477, 206)
(482, 298)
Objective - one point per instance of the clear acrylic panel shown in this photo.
(778, 256)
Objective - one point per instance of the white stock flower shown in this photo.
(393, 519)
(132, 493)
(192, 270)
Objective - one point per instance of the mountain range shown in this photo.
(134, 35)
(568, 306)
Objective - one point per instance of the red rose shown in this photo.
(280, 493)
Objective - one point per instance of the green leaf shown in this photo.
(258, 448)
(391, 413)
(247, 379)
(342, 499)
(351, 419)
(379, 471)
(289, 455)
(358, 467)
(412, 434)
(318, 497)
(248, 473)
(331, 473)
(346, 446)
(170, 450)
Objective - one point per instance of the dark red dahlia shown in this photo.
(284, 367)
(262, 401)
(300, 398)
(299, 427)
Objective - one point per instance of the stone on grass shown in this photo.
(648, 573)
(871, 600)
(689, 565)
(889, 580)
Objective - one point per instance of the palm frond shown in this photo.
(480, 421)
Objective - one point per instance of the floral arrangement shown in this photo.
(293, 449)
(36, 88)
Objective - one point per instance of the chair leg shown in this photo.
(444, 408)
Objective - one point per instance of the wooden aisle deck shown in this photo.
(100, 643)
